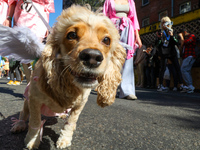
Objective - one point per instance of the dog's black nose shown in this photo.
(91, 58)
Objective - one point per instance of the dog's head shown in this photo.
(84, 49)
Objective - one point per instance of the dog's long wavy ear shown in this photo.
(111, 79)
(50, 54)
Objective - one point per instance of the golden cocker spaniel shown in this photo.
(82, 52)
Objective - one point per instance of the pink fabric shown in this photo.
(4, 4)
(41, 128)
(109, 11)
(31, 19)
(3, 10)
(15, 120)
(10, 1)
(46, 111)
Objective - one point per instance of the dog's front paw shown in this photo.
(18, 127)
(63, 142)
(32, 140)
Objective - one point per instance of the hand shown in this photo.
(170, 33)
(181, 40)
(7, 23)
(137, 39)
(159, 35)
(181, 36)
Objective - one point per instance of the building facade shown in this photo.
(182, 13)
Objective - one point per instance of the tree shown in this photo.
(95, 4)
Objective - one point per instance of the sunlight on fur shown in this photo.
(82, 53)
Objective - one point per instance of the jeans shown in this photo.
(186, 67)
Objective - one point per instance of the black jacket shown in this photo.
(166, 51)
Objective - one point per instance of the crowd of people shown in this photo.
(11, 70)
(158, 60)
(171, 56)
(33, 14)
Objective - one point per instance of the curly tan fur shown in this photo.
(60, 71)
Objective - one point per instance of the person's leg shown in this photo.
(138, 71)
(168, 80)
(27, 71)
(163, 62)
(142, 74)
(186, 70)
(153, 78)
(127, 86)
(177, 68)
(148, 76)
(17, 71)
(11, 74)
(175, 76)
(161, 88)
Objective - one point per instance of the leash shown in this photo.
(27, 5)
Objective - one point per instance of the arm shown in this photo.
(181, 40)
(105, 8)
(137, 38)
(133, 16)
(49, 7)
(158, 39)
(11, 10)
(158, 43)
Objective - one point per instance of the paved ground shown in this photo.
(156, 121)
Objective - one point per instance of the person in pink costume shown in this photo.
(25, 15)
(123, 14)
(3, 10)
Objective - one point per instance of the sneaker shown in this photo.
(190, 89)
(10, 82)
(175, 89)
(133, 97)
(16, 83)
(161, 88)
(166, 88)
(183, 89)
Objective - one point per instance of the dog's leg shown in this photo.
(67, 133)
(20, 124)
(32, 139)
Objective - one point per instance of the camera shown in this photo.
(159, 32)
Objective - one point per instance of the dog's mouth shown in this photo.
(84, 76)
(87, 79)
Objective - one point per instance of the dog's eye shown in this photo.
(106, 41)
(72, 35)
